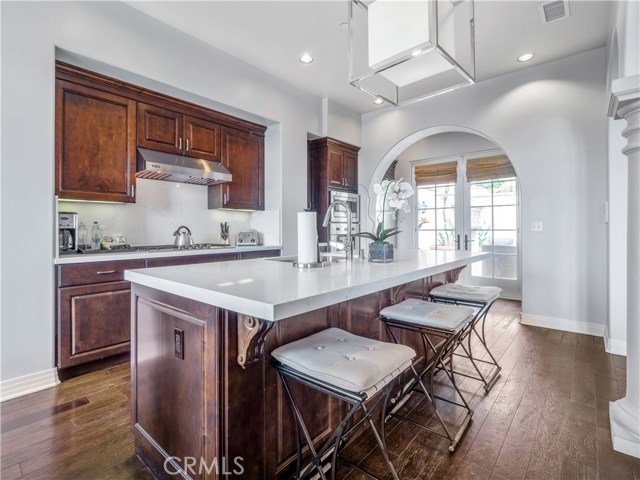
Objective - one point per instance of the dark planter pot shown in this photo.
(380, 252)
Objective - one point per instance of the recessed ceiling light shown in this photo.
(526, 57)
(415, 53)
(378, 101)
(306, 58)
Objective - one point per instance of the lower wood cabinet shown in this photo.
(94, 304)
(93, 322)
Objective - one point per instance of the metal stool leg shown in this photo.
(444, 348)
(480, 318)
(334, 444)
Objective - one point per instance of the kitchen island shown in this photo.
(205, 400)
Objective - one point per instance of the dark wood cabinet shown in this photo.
(94, 312)
(259, 254)
(95, 144)
(243, 155)
(169, 131)
(159, 129)
(93, 322)
(331, 165)
(202, 138)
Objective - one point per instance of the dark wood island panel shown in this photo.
(192, 398)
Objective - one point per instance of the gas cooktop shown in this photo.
(126, 248)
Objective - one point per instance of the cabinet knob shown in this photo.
(187, 141)
(180, 143)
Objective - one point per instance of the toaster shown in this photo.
(252, 237)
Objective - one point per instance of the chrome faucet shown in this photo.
(348, 246)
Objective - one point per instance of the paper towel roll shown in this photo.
(307, 237)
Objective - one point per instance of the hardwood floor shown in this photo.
(546, 417)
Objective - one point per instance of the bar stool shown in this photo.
(481, 298)
(357, 370)
(444, 323)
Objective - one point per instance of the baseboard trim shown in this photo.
(625, 435)
(616, 347)
(562, 324)
(16, 387)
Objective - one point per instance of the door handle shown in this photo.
(180, 143)
(187, 141)
(467, 240)
(458, 242)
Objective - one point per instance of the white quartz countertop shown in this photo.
(274, 290)
(110, 257)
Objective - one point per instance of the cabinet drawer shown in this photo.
(96, 272)
(259, 254)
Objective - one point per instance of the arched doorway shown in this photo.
(467, 199)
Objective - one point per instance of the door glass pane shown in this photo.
(426, 197)
(436, 217)
(445, 196)
(504, 192)
(494, 228)
(446, 218)
(483, 268)
(504, 218)
(427, 240)
(481, 218)
(505, 266)
(446, 239)
(482, 241)
(480, 194)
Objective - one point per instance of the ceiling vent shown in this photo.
(554, 10)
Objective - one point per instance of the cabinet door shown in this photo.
(159, 129)
(335, 170)
(243, 155)
(95, 144)
(93, 322)
(350, 168)
(202, 138)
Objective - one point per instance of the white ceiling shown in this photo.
(272, 35)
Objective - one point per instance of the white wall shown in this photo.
(551, 122)
(122, 37)
(161, 207)
(340, 123)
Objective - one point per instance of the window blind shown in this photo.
(436, 173)
(487, 168)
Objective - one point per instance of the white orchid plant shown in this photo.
(395, 194)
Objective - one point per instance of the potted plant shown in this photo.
(395, 196)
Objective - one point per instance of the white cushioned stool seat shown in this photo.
(469, 293)
(429, 314)
(347, 361)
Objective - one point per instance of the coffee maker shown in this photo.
(67, 232)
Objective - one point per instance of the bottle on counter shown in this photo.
(83, 239)
(96, 233)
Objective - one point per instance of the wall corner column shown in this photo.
(624, 414)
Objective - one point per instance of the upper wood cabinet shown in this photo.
(101, 120)
(173, 132)
(243, 155)
(95, 144)
(333, 164)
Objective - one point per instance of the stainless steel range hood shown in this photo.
(178, 168)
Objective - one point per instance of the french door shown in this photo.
(482, 215)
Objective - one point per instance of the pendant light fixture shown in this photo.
(407, 50)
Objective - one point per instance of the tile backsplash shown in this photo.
(161, 207)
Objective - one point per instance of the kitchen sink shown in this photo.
(325, 261)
